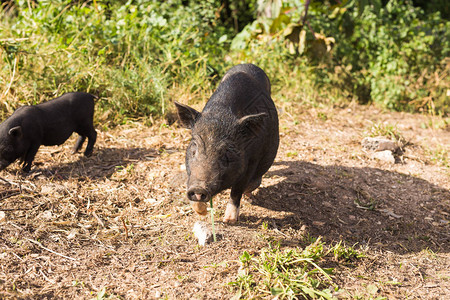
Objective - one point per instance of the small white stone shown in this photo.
(53, 189)
(378, 144)
(72, 234)
(202, 233)
(385, 156)
(46, 215)
(2, 216)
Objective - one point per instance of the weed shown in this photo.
(439, 155)
(223, 264)
(345, 253)
(386, 130)
(265, 226)
(292, 154)
(103, 295)
(365, 203)
(288, 273)
(322, 116)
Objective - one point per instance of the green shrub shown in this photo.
(130, 55)
(139, 55)
(394, 55)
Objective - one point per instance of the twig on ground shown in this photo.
(13, 193)
(17, 184)
(46, 278)
(98, 219)
(275, 228)
(50, 250)
(14, 209)
(4, 180)
(125, 226)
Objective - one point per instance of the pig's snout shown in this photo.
(198, 194)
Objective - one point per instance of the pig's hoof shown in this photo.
(231, 214)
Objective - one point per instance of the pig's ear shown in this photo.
(252, 124)
(15, 132)
(187, 115)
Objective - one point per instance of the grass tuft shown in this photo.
(290, 273)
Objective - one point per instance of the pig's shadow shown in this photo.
(101, 164)
(358, 205)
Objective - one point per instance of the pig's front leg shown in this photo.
(29, 157)
(232, 210)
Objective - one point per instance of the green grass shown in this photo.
(439, 155)
(139, 56)
(292, 273)
(386, 130)
(127, 56)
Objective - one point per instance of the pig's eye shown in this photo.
(225, 160)
(193, 149)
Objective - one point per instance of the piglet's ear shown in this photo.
(187, 115)
(15, 132)
(252, 124)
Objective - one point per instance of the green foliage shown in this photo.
(345, 253)
(129, 54)
(386, 130)
(290, 273)
(397, 49)
(394, 54)
(139, 55)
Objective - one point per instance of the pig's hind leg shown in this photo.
(78, 143)
(253, 185)
(88, 132)
(92, 137)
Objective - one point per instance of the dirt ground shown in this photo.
(117, 224)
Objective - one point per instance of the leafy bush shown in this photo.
(394, 55)
(131, 54)
(138, 55)
(398, 50)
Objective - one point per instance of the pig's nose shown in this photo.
(197, 194)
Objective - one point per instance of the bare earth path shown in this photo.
(117, 225)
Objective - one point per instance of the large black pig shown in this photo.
(234, 139)
(49, 123)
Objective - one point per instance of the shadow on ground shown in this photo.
(379, 208)
(102, 164)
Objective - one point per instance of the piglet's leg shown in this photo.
(232, 210)
(92, 137)
(29, 157)
(78, 144)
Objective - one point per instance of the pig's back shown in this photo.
(245, 90)
(64, 115)
(254, 72)
(74, 103)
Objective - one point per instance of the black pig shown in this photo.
(234, 139)
(50, 123)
